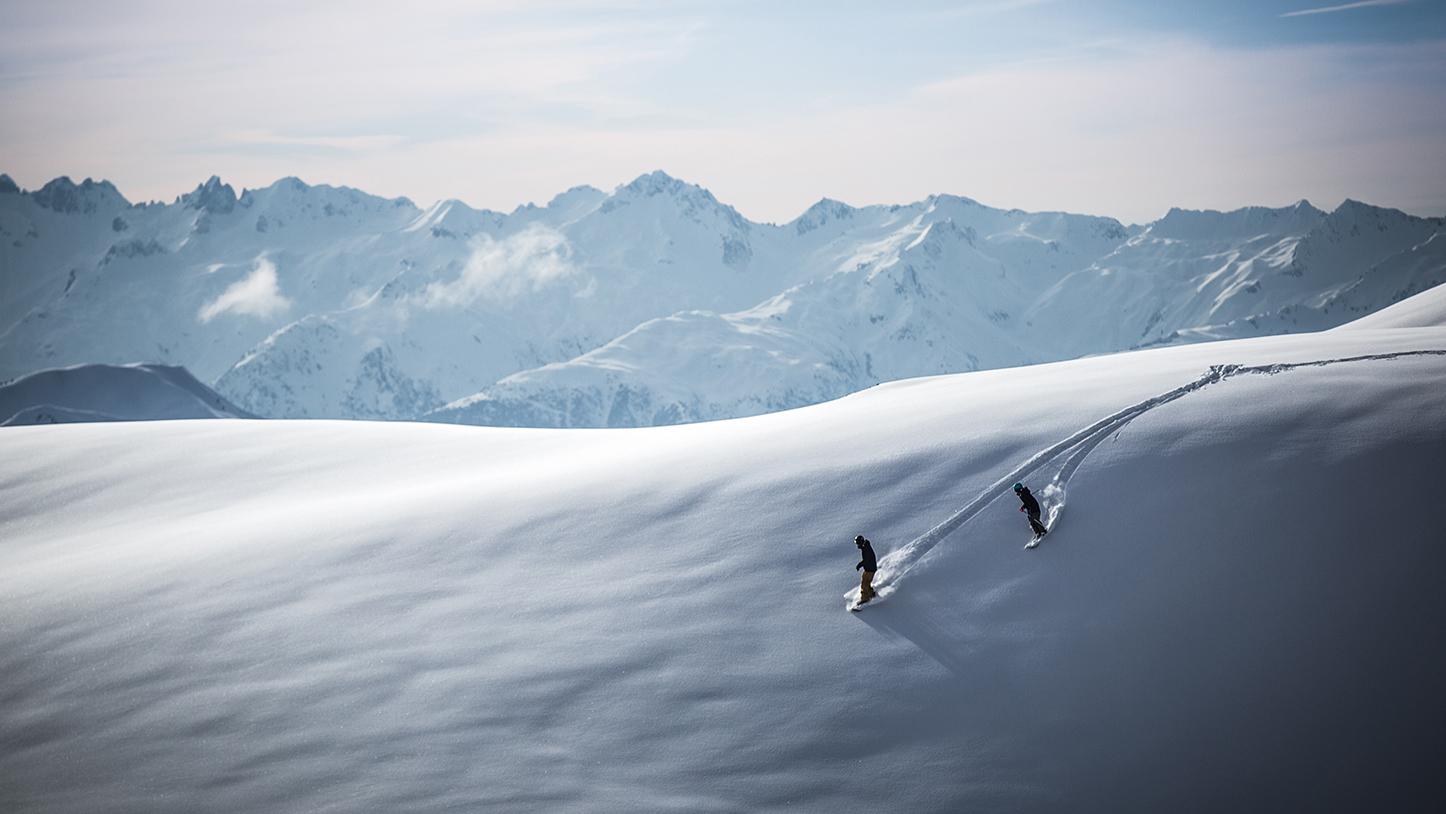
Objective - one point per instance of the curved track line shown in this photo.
(899, 562)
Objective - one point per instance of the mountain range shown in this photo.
(652, 304)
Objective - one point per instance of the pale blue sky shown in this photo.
(1114, 107)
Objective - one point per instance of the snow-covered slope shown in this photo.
(110, 393)
(1400, 256)
(1236, 610)
(937, 305)
(194, 283)
(317, 301)
(533, 288)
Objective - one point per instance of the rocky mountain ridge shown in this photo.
(654, 303)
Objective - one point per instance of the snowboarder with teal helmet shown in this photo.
(1030, 508)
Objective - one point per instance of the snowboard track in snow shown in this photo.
(1071, 453)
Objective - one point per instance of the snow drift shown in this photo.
(1237, 610)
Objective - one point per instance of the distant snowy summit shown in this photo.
(654, 303)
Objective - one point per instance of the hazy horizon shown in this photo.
(1111, 107)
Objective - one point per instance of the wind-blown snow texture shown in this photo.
(1238, 611)
(652, 304)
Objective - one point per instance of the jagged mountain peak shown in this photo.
(1353, 205)
(1366, 226)
(64, 195)
(214, 196)
(8, 185)
(657, 182)
(291, 197)
(1351, 208)
(832, 204)
(691, 199)
(827, 210)
(1302, 205)
(1192, 223)
(291, 186)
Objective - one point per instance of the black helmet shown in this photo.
(859, 540)
(1019, 487)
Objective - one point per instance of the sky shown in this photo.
(1110, 107)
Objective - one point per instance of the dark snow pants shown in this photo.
(1035, 524)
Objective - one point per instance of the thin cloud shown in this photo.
(257, 295)
(1344, 7)
(505, 270)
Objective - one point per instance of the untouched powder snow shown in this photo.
(1064, 459)
(1240, 608)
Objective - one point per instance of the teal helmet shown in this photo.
(1019, 487)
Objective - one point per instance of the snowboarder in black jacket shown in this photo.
(869, 564)
(1031, 508)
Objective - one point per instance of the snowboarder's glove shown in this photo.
(857, 567)
(1021, 508)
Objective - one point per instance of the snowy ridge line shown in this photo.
(894, 565)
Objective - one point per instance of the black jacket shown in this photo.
(1030, 504)
(869, 562)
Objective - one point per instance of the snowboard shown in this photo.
(879, 596)
(1035, 541)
